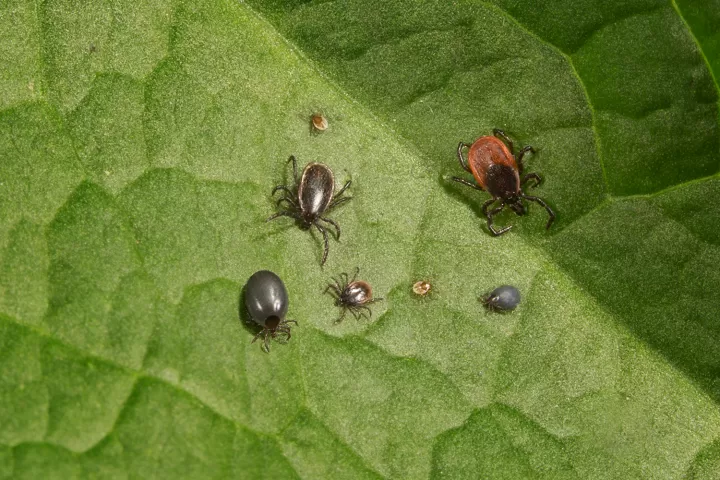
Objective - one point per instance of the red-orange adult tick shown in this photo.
(492, 161)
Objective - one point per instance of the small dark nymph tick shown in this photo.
(495, 168)
(503, 298)
(353, 295)
(266, 300)
(310, 197)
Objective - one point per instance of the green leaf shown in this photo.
(139, 143)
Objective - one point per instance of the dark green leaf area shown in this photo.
(662, 284)
(67, 398)
(703, 17)
(706, 464)
(107, 131)
(318, 454)
(33, 137)
(161, 435)
(501, 443)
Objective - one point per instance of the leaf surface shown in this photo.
(140, 142)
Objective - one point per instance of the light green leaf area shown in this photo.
(140, 141)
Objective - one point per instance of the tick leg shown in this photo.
(285, 330)
(531, 176)
(290, 321)
(325, 240)
(284, 213)
(338, 201)
(357, 271)
(490, 225)
(546, 206)
(461, 158)
(294, 162)
(342, 316)
(467, 183)
(257, 335)
(521, 154)
(342, 190)
(502, 136)
(368, 309)
(333, 291)
(486, 205)
(284, 188)
(338, 284)
(266, 344)
(290, 202)
(332, 222)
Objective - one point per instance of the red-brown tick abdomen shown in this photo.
(486, 152)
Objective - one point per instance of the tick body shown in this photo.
(503, 298)
(351, 295)
(421, 288)
(318, 123)
(492, 162)
(266, 301)
(311, 196)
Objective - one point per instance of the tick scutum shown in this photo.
(315, 192)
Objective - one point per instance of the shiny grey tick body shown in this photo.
(503, 298)
(266, 300)
(353, 295)
(310, 197)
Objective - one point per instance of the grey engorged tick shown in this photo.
(354, 295)
(266, 300)
(310, 197)
(503, 298)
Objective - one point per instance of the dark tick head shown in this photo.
(272, 322)
(306, 221)
(517, 206)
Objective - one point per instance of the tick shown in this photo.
(503, 298)
(266, 300)
(318, 123)
(353, 295)
(492, 161)
(311, 196)
(421, 288)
